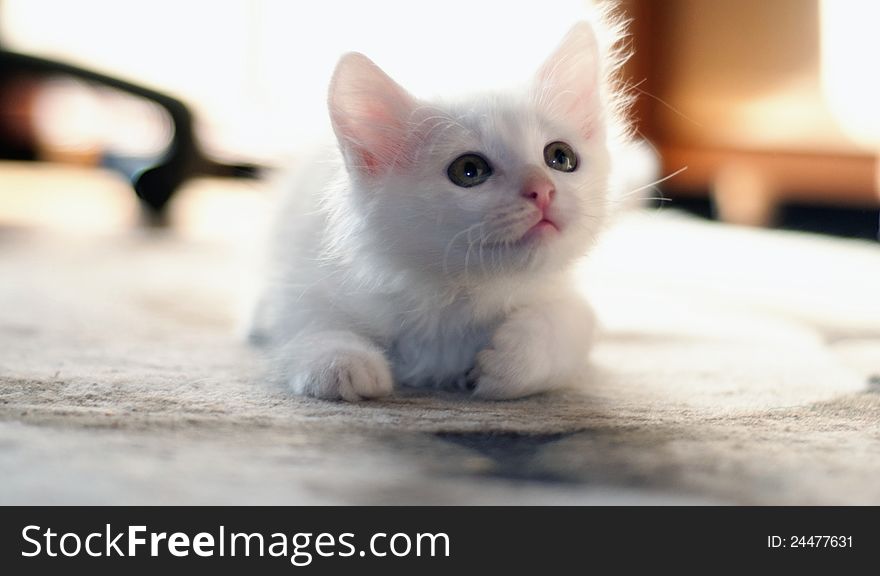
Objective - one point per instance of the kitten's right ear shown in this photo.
(568, 82)
(370, 113)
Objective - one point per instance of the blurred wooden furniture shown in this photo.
(733, 91)
(154, 179)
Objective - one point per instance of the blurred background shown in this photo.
(771, 105)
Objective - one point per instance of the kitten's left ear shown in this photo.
(568, 82)
(370, 113)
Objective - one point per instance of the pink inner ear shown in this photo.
(366, 162)
(372, 139)
(389, 140)
(370, 114)
(568, 82)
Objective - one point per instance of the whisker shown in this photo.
(450, 244)
(652, 184)
(667, 104)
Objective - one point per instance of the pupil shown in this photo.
(470, 170)
(560, 156)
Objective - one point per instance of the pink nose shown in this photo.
(540, 191)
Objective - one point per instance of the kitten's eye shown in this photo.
(469, 170)
(560, 156)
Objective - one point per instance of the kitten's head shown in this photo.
(496, 184)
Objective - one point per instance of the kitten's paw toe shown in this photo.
(359, 378)
(493, 378)
(351, 375)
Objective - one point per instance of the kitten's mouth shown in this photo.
(542, 228)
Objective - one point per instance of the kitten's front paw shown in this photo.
(535, 350)
(499, 376)
(352, 376)
(517, 363)
(349, 372)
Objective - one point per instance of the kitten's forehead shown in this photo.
(508, 129)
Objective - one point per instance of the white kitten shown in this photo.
(437, 249)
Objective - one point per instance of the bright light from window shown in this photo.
(257, 70)
(850, 64)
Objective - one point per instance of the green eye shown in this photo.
(469, 170)
(560, 156)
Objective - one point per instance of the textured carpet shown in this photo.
(736, 366)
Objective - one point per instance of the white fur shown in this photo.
(386, 272)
